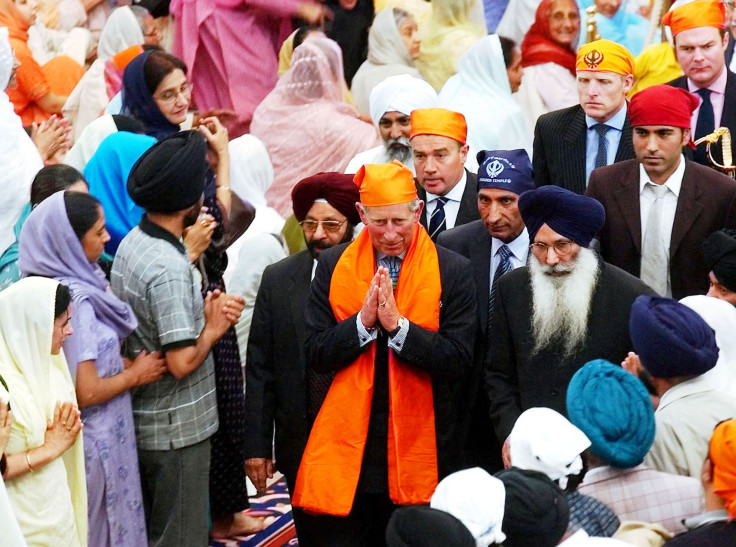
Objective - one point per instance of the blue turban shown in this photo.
(670, 338)
(567, 213)
(612, 407)
(505, 169)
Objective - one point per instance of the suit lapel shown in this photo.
(688, 209)
(480, 258)
(625, 145)
(421, 194)
(469, 202)
(297, 291)
(626, 195)
(573, 153)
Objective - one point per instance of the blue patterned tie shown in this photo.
(393, 265)
(504, 265)
(601, 157)
(437, 222)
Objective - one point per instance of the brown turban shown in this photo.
(337, 189)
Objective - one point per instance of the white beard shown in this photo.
(561, 304)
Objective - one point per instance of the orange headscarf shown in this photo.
(330, 468)
(723, 457)
(605, 56)
(439, 121)
(13, 18)
(700, 13)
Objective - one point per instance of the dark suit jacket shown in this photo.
(468, 205)
(728, 118)
(729, 50)
(559, 148)
(276, 388)
(447, 355)
(707, 203)
(517, 379)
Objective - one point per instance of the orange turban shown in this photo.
(385, 184)
(700, 13)
(723, 457)
(439, 121)
(605, 56)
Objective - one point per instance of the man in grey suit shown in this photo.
(495, 245)
(438, 138)
(570, 143)
(277, 379)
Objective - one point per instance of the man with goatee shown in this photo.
(565, 308)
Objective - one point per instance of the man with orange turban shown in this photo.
(570, 143)
(700, 39)
(717, 526)
(393, 318)
(438, 138)
(660, 207)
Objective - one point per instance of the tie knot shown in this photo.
(660, 190)
(441, 201)
(503, 252)
(601, 129)
(704, 93)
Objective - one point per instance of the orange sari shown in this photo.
(60, 75)
(330, 468)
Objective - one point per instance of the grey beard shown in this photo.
(561, 305)
(398, 149)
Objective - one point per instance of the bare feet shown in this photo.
(239, 524)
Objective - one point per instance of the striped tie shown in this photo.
(393, 265)
(504, 265)
(437, 222)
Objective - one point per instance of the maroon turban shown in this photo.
(663, 105)
(337, 189)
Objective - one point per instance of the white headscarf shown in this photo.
(89, 141)
(402, 93)
(721, 317)
(480, 90)
(476, 499)
(89, 98)
(387, 56)
(19, 158)
(36, 381)
(544, 440)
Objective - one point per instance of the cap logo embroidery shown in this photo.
(593, 58)
(494, 169)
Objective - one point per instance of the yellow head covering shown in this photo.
(605, 56)
(385, 184)
(705, 13)
(439, 121)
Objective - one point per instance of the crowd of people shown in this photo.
(462, 272)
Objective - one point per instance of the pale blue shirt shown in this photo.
(613, 137)
(519, 252)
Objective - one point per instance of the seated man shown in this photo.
(615, 411)
(675, 348)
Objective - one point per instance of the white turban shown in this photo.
(476, 499)
(544, 440)
(402, 93)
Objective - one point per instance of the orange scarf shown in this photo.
(330, 468)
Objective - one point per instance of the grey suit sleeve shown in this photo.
(500, 372)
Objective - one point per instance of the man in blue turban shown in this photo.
(676, 348)
(614, 410)
(563, 309)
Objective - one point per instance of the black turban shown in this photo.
(536, 511)
(337, 189)
(422, 526)
(169, 176)
(720, 257)
(567, 213)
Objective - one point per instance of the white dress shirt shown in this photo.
(519, 252)
(452, 207)
(647, 197)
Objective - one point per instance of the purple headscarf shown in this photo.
(50, 248)
(138, 100)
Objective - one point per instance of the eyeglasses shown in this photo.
(332, 226)
(170, 95)
(561, 248)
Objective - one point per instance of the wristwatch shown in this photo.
(398, 327)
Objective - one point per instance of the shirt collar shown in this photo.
(718, 86)
(674, 183)
(699, 384)
(518, 247)
(456, 194)
(616, 122)
(154, 230)
(381, 256)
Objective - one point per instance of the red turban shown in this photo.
(663, 105)
(337, 189)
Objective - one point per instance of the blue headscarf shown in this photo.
(613, 409)
(138, 100)
(107, 174)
